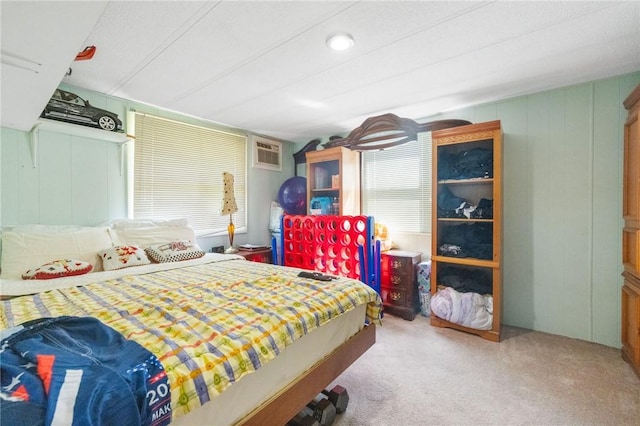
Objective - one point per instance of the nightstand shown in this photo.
(263, 255)
(399, 284)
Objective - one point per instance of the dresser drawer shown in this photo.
(394, 296)
(400, 280)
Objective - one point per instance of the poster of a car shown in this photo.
(67, 106)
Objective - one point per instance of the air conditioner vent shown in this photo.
(267, 154)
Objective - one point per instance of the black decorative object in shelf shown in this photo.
(300, 156)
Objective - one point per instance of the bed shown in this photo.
(241, 342)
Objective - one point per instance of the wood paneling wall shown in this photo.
(76, 180)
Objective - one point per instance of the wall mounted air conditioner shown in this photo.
(267, 154)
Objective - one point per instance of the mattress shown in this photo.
(229, 332)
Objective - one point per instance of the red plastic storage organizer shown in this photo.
(326, 244)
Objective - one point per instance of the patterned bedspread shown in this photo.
(208, 324)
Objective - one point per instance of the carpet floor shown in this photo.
(417, 374)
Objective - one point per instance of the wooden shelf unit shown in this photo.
(343, 163)
(447, 143)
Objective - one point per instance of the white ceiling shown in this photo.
(264, 66)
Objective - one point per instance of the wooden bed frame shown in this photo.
(283, 406)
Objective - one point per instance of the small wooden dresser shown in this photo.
(398, 282)
(262, 255)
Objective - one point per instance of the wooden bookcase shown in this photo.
(466, 180)
(344, 164)
(631, 234)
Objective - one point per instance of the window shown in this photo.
(397, 185)
(178, 170)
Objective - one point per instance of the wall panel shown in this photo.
(577, 215)
(9, 198)
(90, 181)
(606, 263)
(28, 182)
(516, 182)
(55, 186)
(541, 216)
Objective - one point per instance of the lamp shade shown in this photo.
(229, 205)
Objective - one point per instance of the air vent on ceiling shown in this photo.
(267, 154)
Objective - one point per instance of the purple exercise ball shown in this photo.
(292, 195)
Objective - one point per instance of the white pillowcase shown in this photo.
(145, 237)
(147, 223)
(29, 247)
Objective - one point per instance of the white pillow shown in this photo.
(147, 223)
(145, 237)
(29, 247)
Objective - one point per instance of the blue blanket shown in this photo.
(78, 371)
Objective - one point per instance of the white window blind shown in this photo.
(397, 185)
(178, 173)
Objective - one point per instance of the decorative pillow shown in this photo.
(174, 251)
(119, 257)
(58, 269)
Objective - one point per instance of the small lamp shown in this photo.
(229, 207)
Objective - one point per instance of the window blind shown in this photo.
(397, 185)
(178, 172)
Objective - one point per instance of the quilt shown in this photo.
(210, 324)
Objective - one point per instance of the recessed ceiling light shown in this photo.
(340, 41)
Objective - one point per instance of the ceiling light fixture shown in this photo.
(340, 41)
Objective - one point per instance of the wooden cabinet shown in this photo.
(334, 174)
(398, 282)
(467, 241)
(631, 233)
(263, 255)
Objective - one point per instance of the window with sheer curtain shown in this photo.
(396, 185)
(178, 170)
